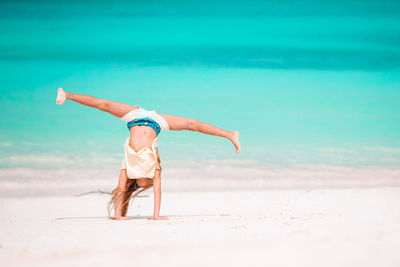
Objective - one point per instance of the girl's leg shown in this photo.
(114, 108)
(180, 123)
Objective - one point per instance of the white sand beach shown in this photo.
(287, 227)
(313, 88)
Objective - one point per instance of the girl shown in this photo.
(141, 164)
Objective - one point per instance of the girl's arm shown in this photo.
(157, 196)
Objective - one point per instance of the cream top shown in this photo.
(143, 163)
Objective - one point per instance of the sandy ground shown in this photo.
(325, 227)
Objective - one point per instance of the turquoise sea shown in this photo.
(305, 82)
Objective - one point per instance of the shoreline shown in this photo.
(26, 182)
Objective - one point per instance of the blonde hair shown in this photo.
(127, 196)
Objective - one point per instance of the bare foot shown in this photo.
(235, 141)
(122, 218)
(61, 96)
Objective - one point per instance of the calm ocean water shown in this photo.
(305, 82)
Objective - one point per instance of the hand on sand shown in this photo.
(61, 96)
(122, 218)
(158, 218)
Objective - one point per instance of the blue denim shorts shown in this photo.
(145, 122)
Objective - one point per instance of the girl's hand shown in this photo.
(122, 218)
(159, 218)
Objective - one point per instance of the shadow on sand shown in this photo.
(142, 217)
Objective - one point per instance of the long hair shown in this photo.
(127, 196)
